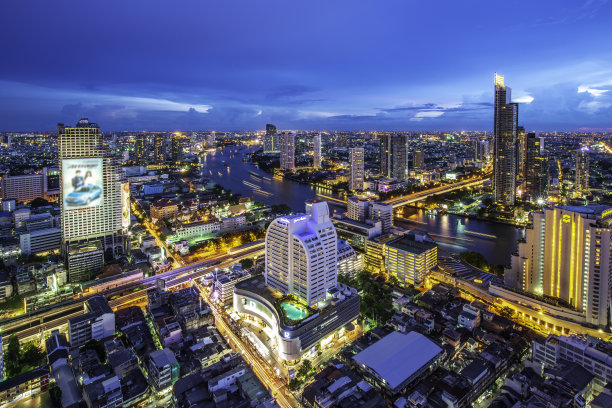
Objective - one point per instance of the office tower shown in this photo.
(358, 208)
(287, 150)
(582, 171)
(90, 193)
(179, 143)
(521, 153)
(356, 168)
(160, 147)
(210, 139)
(383, 212)
(418, 160)
(409, 258)
(394, 156)
(23, 188)
(316, 161)
(481, 150)
(504, 139)
(140, 149)
(270, 139)
(536, 169)
(301, 254)
(566, 255)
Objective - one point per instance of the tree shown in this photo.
(281, 209)
(32, 355)
(305, 368)
(98, 347)
(246, 263)
(11, 358)
(38, 202)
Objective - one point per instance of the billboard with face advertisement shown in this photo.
(82, 183)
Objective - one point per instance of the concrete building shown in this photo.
(316, 156)
(84, 261)
(301, 253)
(97, 322)
(409, 258)
(287, 150)
(582, 172)
(24, 188)
(349, 261)
(567, 255)
(163, 209)
(141, 152)
(40, 240)
(505, 130)
(24, 385)
(90, 190)
(418, 160)
(160, 147)
(356, 171)
(383, 213)
(358, 208)
(536, 169)
(164, 370)
(394, 156)
(270, 140)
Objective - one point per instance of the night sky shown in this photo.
(318, 64)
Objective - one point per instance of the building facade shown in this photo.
(90, 191)
(160, 147)
(24, 188)
(356, 171)
(287, 150)
(270, 140)
(418, 160)
(140, 149)
(536, 169)
(505, 126)
(566, 255)
(409, 258)
(582, 172)
(394, 156)
(316, 155)
(301, 253)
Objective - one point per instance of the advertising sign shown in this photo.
(125, 205)
(82, 183)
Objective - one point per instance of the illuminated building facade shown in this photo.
(536, 169)
(566, 255)
(356, 173)
(95, 213)
(505, 128)
(582, 171)
(160, 146)
(394, 156)
(287, 150)
(179, 143)
(140, 149)
(270, 139)
(409, 258)
(418, 160)
(316, 156)
(301, 254)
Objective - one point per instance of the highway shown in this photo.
(32, 324)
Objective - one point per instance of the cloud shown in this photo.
(593, 91)
(523, 99)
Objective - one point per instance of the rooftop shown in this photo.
(408, 243)
(396, 357)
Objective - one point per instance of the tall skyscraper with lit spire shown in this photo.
(505, 128)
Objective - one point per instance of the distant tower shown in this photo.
(140, 149)
(287, 150)
(160, 147)
(394, 156)
(582, 171)
(179, 142)
(418, 160)
(301, 254)
(316, 162)
(536, 168)
(270, 139)
(521, 151)
(357, 169)
(505, 126)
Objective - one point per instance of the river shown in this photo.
(452, 233)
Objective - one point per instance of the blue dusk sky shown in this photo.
(317, 64)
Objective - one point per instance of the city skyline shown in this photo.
(205, 73)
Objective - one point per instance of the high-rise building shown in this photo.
(270, 139)
(24, 187)
(140, 149)
(287, 150)
(481, 150)
(90, 191)
(316, 161)
(505, 126)
(582, 171)
(394, 156)
(160, 147)
(301, 254)
(409, 258)
(356, 173)
(179, 143)
(566, 255)
(521, 151)
(383, 212)
(536, 169)
(358, 208)
(418, 160)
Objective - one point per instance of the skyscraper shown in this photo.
(90, 194)
(140, 149)
(521, 151)
(179, 143)
(356, 168)
(536, 169)
(383, 212)
(481, 150)
(316, 161)
(287, 150)
(582, 171)
(504, 138)
(160, 147)
(566, 255)
(270, 139)
(394, 156)
(418, 160)
(301, 254)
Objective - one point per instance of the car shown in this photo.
(84, 195)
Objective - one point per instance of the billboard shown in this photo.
(82, 183)
(125, 205)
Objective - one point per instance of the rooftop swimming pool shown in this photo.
(293, 311)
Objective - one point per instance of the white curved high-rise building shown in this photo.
(301, 254)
